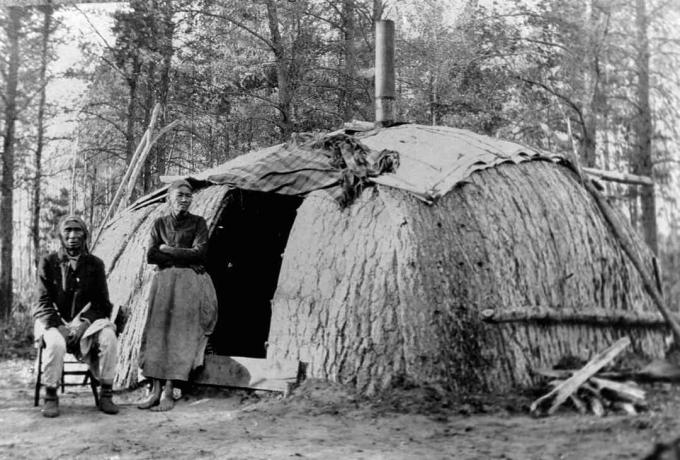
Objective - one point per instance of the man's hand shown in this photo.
(64, 331)
(164, 247)
(77, 328)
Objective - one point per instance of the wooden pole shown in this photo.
(590, 316)
(623, 178)
(140, 163)
(128, 172)
(384, 73)
(647, 282)
(121, 187)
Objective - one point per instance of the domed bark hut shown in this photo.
(476, 261)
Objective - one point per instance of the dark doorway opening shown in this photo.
(245, 254)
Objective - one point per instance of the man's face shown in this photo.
(73, 236)
(180, 199)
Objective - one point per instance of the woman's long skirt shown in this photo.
(182, 315)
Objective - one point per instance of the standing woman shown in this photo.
(182, 302)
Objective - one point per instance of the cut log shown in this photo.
(596, 406)
(626, 407)
(252, 373)
(579, 404)
(622, 391)
(560, 393)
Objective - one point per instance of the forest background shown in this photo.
(598, 79)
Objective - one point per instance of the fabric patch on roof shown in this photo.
(338, 164)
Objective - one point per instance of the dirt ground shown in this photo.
(319, 421)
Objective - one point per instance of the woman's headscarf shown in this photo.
(180, 183)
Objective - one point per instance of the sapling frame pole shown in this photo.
(623, 178)
(142, 158)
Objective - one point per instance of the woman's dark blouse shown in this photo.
(188, 238)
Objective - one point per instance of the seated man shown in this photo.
(72, 315)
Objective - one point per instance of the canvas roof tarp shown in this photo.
(431, 162)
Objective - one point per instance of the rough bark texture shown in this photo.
(396, 288)
(347, 105)
(122, 247)
(644, 164)
(7, 185)
(37, 162)
(285, 97)
(166, 31)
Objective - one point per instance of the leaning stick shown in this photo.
(647, 282)
(121, 187)
(138, 166)
(143, 143)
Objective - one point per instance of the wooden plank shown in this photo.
(253, 373)
(615, 176)
(562, 391)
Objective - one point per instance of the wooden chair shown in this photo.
(72, 367)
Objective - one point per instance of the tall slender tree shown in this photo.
(47, 11)
(12, 29)
(643, 127)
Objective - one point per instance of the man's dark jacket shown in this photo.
(70, 290)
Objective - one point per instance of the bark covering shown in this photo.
(391, 289)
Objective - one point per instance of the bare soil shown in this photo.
(320, 421)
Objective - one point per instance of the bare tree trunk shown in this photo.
(132, 81)
(432, 83)
(378, 8)
(7, 189)
(350, 60)
(166, 33)
(282, 72)
(149, 103)
(644, 128)
(93, 195)
(35, 211)
(592, 89)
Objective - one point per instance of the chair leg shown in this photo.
(38, 378)
(93, 386)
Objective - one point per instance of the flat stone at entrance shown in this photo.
(252, 373)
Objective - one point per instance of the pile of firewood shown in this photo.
(589, 389)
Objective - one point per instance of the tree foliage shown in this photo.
(565, 76)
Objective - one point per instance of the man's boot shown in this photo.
(106, 403)
(51, 407)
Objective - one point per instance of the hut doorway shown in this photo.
(245, 255)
